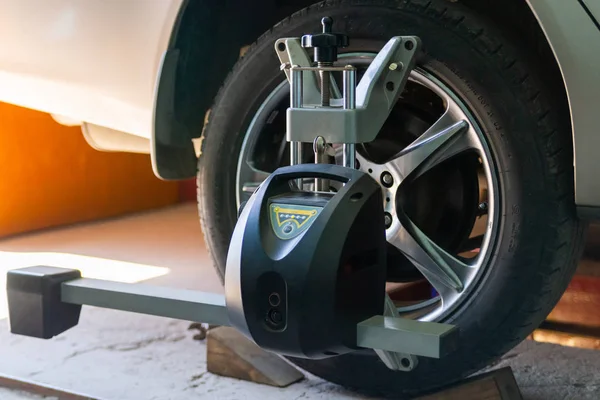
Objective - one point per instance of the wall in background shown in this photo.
(187, 191)
(50, 176)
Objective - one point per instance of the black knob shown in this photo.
(326, 44)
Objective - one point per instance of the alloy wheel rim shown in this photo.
(452, 277)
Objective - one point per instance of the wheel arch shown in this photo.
(572, 31)
(206, 43)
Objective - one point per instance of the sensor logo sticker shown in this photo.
(288, 220)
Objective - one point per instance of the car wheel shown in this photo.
(494, 202)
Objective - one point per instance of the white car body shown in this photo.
(85, 60)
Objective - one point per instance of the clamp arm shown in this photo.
(46, 301)
(376, 94)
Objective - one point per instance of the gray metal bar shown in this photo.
(349, 77)
(296, 91)
(296, 155)
(427, 339)
(349, 155)
(182, 304)
(296, 158)
(349, 149)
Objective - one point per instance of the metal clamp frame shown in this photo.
(376, 93)
(343, 122)
(296, 74)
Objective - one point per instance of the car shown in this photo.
(197, 85)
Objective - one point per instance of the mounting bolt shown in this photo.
(483, 207)
(387, 179)
(396, 66)
(387, 218)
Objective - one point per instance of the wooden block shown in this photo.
(499, 384)
(571, 339)
(229, 353)
(579, 304)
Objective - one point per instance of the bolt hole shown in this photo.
(356, 196)
(274, 299)
(387, 199)
(370, 171)
(405, 361)
(281, 46)
(409, 45)
(390, 86)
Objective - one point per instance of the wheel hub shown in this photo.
(389, 178)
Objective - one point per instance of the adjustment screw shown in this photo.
(387, 219)
(396, 66)
(387, 179)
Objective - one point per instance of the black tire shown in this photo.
(539, 237)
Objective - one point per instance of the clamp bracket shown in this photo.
(376, 94)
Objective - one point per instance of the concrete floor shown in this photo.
(6, 394)
(118, 355)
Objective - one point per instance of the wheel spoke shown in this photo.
(250, 187)
(444, 139)
(441, 269)
(254, 178)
